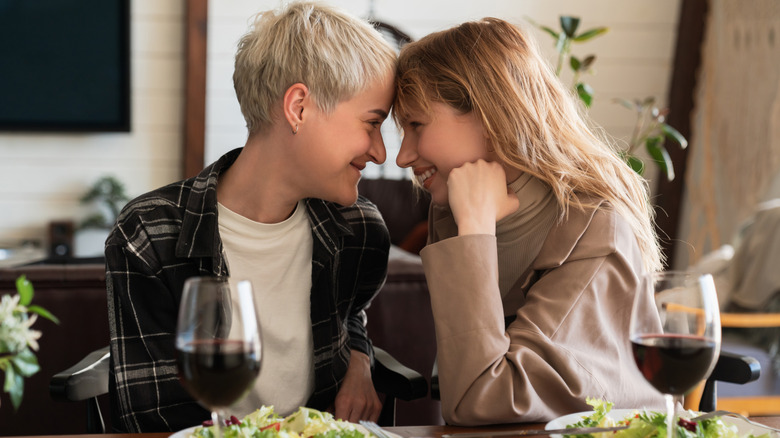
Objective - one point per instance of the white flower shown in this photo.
(16, 331)
(7, 306)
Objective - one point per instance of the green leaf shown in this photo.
(97, 220)
(25, 290)
(550, 31)
(14, 386)
(592, 33)
(655, 147)
(44, 313)
(675, 135)
(9, 378)
(588, 61)
(569, 25)
(636, 164)
(585, 92)
(574, 63)
(25, 363)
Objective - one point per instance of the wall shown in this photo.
(42, 176)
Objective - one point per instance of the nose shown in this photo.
(407, 154)
(376, 151)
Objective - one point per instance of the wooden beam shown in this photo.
(195, 87)
(669, 194)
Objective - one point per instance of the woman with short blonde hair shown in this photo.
(314, 84)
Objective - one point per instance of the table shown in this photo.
(404, 431)
(438, 431)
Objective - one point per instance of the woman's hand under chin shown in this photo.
(479, 197)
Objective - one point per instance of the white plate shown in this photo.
(743, 428)
(562, 422)
(367, 433)
(184, 433)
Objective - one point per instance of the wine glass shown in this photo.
(675, 333)
(218, 342)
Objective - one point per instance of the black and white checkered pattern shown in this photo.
(170, 234)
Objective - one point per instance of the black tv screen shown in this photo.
(64, 65)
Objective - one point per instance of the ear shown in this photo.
(294, 101)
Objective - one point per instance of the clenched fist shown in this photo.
(479, 197)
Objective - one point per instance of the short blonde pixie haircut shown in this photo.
(491, 68)
(333, 53)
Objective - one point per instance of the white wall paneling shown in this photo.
(43, 175)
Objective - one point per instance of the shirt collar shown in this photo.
(199, 235)
(328, 223)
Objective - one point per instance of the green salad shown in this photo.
(265, 423)
(645, 424)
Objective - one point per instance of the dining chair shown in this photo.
(88, 379)
(761, 402)
(732, 367)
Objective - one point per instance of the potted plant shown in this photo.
(563, 41)
(107, 196)
(650, 128)
(109, 193)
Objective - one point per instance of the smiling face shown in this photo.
(438, 141)
(337, 146)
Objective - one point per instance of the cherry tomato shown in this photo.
(276, 426)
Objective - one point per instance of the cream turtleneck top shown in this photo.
(521, 234)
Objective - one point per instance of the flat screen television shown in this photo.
(65, 65)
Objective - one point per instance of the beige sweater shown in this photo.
(570, 337)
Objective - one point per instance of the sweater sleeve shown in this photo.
(568, 342)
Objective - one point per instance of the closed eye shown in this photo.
(376, 117)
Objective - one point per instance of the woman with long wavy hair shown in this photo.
(539, 233)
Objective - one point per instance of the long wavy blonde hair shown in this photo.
(532, 120)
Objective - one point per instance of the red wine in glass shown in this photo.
(675, 333)
(218, 342)
(217, 372)
(673, 364)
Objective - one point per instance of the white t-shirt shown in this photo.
(276, 258)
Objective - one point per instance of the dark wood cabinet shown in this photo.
(76, 294)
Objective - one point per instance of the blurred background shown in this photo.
(43, 175)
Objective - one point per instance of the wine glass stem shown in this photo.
(216, 418)
(670, 408)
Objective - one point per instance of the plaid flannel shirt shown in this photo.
(170, 234)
